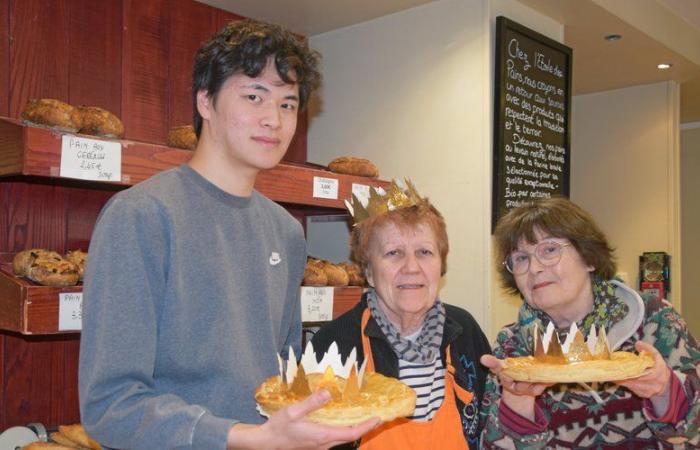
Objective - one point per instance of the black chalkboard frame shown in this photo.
(503, 25)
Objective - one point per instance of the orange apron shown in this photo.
(443, 432)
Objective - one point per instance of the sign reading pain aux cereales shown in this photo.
(532, 115)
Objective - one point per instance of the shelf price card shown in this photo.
(90, 159)
(70, 311)
(316, 304)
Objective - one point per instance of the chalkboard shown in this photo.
(532, 110)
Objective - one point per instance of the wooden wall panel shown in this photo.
(95, 69)
(145, 78)
(191, 24)
(39, 51)
(4, 62)
(132, 57)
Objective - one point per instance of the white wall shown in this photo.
(624, 170)
(413, 92)
(690, 224)
(410, 91)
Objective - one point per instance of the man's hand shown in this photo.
(288, 429)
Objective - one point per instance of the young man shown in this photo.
(193, 281)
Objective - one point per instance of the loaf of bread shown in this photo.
(100, 122)
(354, 166)
(49, 112)
(314, 275)
(79, 258)
(354, 274)
(40, 445)
(182, 137)
(335, 275)
(77, 434)
(45, 267)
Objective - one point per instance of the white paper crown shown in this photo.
(331, 359)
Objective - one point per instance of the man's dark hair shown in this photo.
(245, 47)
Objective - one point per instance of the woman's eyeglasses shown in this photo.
(547, 253)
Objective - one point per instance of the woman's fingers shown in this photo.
(492, 363)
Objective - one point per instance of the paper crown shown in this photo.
(294, 375)
(574, 349)
(380, 201)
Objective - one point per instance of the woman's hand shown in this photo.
(518, 395)
(654, 383)
(288, 429)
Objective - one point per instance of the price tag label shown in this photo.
(316, 304)
(70, 311)
(325, 188)
(90, 159)
(361, 191)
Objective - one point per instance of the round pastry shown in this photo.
(49, 112)
(182, 137)
(620, 366)
(354, 166)
(335, 275)
(79, 258)
(379, 396)
(100, 122)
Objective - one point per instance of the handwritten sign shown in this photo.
(361, 191)
(533, 110)
(70, 311)
(325, 188)
(316, 304)
(90, 159)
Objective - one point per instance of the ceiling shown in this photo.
(652, 31)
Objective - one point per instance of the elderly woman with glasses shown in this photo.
(405, 331)
(560, 262)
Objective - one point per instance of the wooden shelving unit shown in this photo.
(27, 151)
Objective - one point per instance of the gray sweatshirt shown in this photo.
(189, 294)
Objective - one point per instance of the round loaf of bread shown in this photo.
(354, 274)
(100, 122)
(23, 260)
(49, 112)
(354, 166)
(182, 137)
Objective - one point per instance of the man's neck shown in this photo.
(232, 179)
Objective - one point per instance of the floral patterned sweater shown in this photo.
(572, 416)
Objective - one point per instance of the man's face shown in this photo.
(253, 120)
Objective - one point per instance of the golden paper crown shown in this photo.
(574, 349)
(381, 202)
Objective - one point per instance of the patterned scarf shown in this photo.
(607, 311)
(424, 349)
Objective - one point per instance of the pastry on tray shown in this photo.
(355, 395)
(576, 360)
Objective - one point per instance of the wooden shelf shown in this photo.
(26, 307)
(30, 309)
(33, 151)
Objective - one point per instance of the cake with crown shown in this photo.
(356, 395)
(576, 360)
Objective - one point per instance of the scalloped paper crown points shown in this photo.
(574, 348)
(381, 201)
